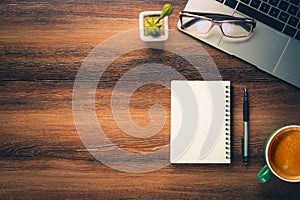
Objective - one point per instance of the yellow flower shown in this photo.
(167, 10)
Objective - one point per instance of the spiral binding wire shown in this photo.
(227, 122)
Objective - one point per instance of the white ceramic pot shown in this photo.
(164, 29)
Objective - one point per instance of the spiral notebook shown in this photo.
(200, 122)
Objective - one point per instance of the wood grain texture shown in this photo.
(42, 45)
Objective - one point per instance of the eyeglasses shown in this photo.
(202, 23)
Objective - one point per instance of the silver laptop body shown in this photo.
(268, 49)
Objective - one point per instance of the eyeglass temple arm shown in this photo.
(215, 16)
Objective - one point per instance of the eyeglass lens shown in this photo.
(230, 29)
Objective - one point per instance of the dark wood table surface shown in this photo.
(42, 46)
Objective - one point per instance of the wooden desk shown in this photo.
(42, 46)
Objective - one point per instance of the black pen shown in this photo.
(245, 139)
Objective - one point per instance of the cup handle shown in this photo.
(265, 174)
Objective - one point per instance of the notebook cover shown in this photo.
(200, 122)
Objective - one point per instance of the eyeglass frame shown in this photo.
(221, 18)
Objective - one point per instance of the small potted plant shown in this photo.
(154, 24)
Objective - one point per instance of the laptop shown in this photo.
(274, 46)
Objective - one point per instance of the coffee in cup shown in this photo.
(282, 154)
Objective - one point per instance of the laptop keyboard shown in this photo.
(282, 15)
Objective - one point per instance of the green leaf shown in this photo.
(154, 31)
